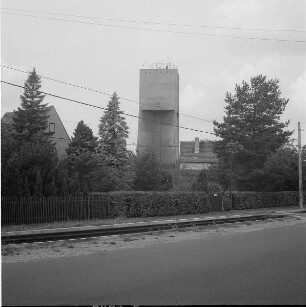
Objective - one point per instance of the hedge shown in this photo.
(144, 204)
(253, 200)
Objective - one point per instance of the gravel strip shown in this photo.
(41, 251)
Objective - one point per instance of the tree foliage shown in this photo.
(149, 176)
(38, 189)
(280, 172)
(113, 132)
(207, 181)
(31, 117)
(81, 160)
(25, 163)
(82, 141)
(29, 159)
(251, 130)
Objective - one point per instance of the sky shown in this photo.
(103, 51)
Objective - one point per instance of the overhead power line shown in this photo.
(157, 30)
(98, 107)
(51, 137)
(159, 23)
(97, 91)
(128, 144)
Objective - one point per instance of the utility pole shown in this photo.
(300, 167)
(232, 148)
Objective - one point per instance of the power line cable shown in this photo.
(159, 23)
(98, 107)
(159, 30)
(128, 144)
(99, 92)
(136, 145)
(51, 137)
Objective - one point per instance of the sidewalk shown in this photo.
(128, 222)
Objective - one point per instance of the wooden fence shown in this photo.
(30, 210)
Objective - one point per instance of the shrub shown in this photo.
(144, 204)
(227, 201)
(183, 179)
(253, 200)
(149, 173)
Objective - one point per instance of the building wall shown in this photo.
(190, 159)
(60, 136)
(159, 113)
(194, 165)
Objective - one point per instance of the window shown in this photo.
(51, 127)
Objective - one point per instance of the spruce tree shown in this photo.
(113, 132)
(81, 158)
(82, 141)
(31, 117)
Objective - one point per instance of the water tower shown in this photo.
(159, 112)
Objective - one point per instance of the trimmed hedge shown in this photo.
(253, 200)
(144, 204)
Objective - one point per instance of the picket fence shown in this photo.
(30, 210)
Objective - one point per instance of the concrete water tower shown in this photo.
(159, 112)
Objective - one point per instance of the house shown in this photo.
(196, 154)
(60, 137)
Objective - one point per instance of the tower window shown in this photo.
(51, 127)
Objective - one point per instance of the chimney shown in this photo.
(196, 145)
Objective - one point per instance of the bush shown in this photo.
(144, 204)
(254, 200)
(183, 179)
(207, 181)
(149, 173)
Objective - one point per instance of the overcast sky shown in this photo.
(107, 58)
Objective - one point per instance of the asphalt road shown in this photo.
(260, 267)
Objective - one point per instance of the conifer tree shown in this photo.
(251, 130)
(81, 159)
(65, 184)
(38, 190)
(113, 132)
(82, 141)
(31, 117)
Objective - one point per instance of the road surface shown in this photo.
(259, 267)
